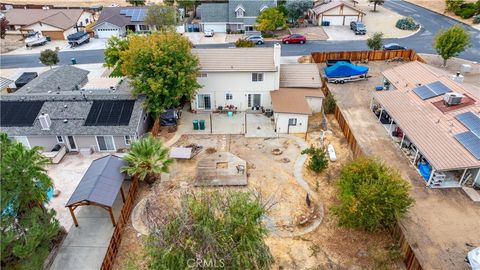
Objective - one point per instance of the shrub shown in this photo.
(329, 104)
(318, 159)
(476, 19)
(453, 5)
(466, 11)
(373, 196)
(407, 23)
(243, 43)
(375, 42)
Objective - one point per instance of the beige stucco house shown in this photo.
(336, 13)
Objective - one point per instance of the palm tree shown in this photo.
(147, 159)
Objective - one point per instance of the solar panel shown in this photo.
(424, 92)
(471, 121)
(110, 113)
(471, 142)
(19, 113)
(438, 88)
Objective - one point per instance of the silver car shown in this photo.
(256, 38)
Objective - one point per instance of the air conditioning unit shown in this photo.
(452, 98)
(45, 121)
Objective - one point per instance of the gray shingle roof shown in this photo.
(101, 182)
(212, 12)
(63, 78)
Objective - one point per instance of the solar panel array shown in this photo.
(110, 113)
(136, 14)
(470, 139)
(431, 90)
(19, 113)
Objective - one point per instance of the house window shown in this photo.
(228, 96)
(143, 27)
(201, 75)
(105, 143)
(257, 77)
(292, 121)
(127, 140)
(240, 12)
(254, 100)
(248, 28)
(11, 27)
(86, 20)
(60, 139)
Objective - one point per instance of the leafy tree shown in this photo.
(451, 42)
(375, 3)
(3, 27)
(318, 159)
(136, 2)
(373, 196)
(27, 228)
(188, 4)
(375, 42)
(113, 51)
(453, 5)
(221, 231)
(271, 19)
(329, 104)
(243, 43)
(297, 9)
(49, 57)
(169, 2)
(147, 159)
(282, 7)
(163, 17)
(162, 67)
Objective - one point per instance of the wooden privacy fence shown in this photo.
(112, 250)
(411, 262)
(411, 55)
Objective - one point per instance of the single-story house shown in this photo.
(434, 120)
(235, 15)
(55, 23)
(335, 12)
(117, 21)
(54, 109)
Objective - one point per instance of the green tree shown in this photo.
(113, 51)
(49, 57)
(27, 228)
(221, 231)
(453, 5)
(375, 3)
(162, 67)
(318, 159)
(243, 43)
(329, 104)
(297, 9)
(271, 19)
(451, 42)
(373, 196)
(3, 27)
(163, 17)
(147, 159)
(375, 42)
(136, 2)
(188, 4)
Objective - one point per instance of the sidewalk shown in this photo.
(86, 245)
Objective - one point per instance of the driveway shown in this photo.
(94, 44)
(52, 45)
(200, 38)
(311, 32)
(340, 32)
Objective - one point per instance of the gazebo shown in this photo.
(99, 186)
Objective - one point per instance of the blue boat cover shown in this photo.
(344, 69)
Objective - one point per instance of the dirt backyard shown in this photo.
(270, 165)
(443, 223)
(439, 7)
(10, 43)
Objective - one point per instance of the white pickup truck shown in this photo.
(35, 39)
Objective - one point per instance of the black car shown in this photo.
(393, 46)
(358, 27)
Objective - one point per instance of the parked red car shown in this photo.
(295, 38)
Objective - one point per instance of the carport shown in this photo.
(99, 186)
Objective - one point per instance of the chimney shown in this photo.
(277, 53)
(45, 121)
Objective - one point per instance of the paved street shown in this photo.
(421, 42)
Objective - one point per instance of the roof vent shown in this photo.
(65, 106)
(457, 77)
(45, 121)
(65, 120)
(452, 98)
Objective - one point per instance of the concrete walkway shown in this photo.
(86, 245)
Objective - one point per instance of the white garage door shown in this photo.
(349, 19)
(334, 20)
(106, 33)
(216, 27)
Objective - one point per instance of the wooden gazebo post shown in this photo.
(111, 215)
(73, 216)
